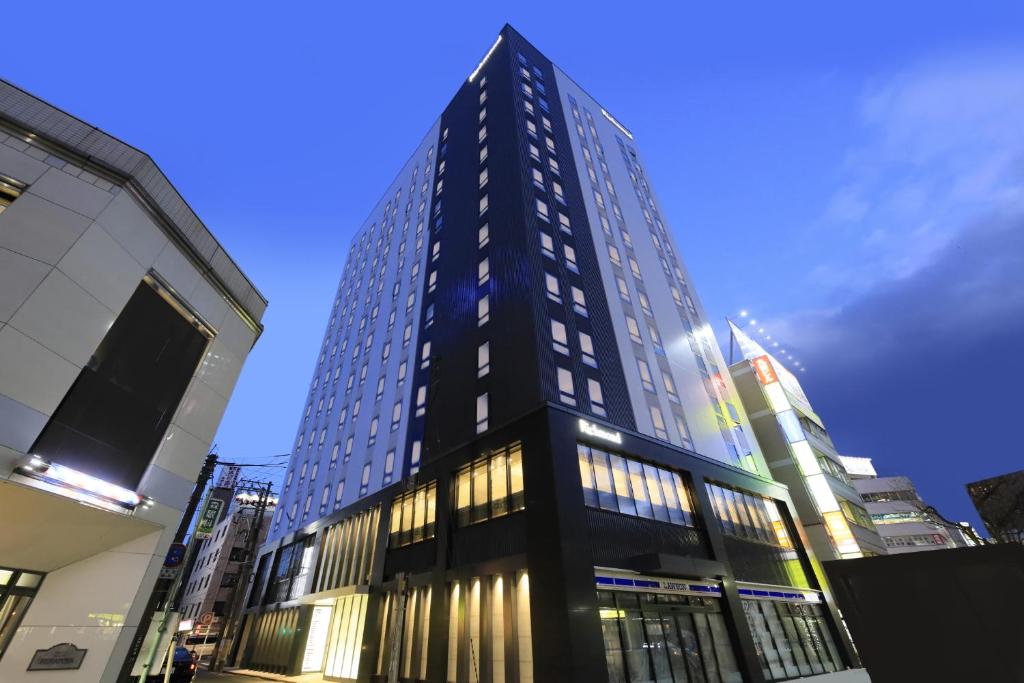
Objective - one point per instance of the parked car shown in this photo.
(183, 668)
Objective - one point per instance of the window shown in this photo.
(313, 472)
(413, 516)
(491, 486)
(389, 467)
(17, 589)
(563, 223)
(579, 302)
(483, 359)
(531, 128)
(481, 413)
(334, 456)
(623, 289)
(484, 271)
(613, 254)
(634, 329)
(570, 259)
(670, 387)
(427, 322)
(421, 400)
(528, 106)
(396, 415)
(658, 420)
(749, 516)
(596, 397)
(483, 236)
(556, 187)
(483, 177)
(627, 486)
(483, 204)
(559, 339)
(482, 135)
(566, 391)
(538, 178)
(483, 310)
(110, 427)
(374, 423)
(348, 448)
(483, 154)
(587, 350)
(339, 491)
(425, 356)
(9, 191)
(547, 245)
(364, 482)
(551, 285)
(534, 152)
(305, 507)
(324, 497)
(550, 144)
(542, 210)
(553, 165)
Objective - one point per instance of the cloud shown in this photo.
(942, 143)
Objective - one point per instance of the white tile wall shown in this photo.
(32, 374)
(63, 317)
(176, 270)
(19, 275)
(180, 452)
(220, 368)
(200, 411)
(133, 229)
(102, 268)
(40, 229)
(69, 192)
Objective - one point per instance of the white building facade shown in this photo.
(123, 328)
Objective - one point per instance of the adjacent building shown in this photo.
(521, 456)
(123, 327)
(218, 565)
(800, 454)
(905, 522)
(1000, 504)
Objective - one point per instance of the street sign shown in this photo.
(175, 555)
(209, 517)
(206, 618)
(169, 572)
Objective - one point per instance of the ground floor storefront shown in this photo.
(545, 553)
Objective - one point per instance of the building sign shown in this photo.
(60, 656)
(591, 429)
(209, 517)
(765, 371)
(316, 642)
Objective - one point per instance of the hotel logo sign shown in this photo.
(591, 429)
(764, 369)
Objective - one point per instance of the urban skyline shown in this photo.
(790, 170)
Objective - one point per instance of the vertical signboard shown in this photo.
(209, 517)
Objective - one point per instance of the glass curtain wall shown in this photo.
(792, 639)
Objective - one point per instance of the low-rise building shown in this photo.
(123, 328)
(905, 522)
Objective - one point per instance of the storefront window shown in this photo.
(412, 516)
(17, 588)
(792, 639)
(666, 638)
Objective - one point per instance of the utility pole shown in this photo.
(160, 596)
(263, 490)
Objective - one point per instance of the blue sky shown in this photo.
(854, 177)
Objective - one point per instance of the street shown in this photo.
(205, 675)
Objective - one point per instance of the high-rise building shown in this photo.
(521, 456)
(904, 521)
(1000, 504)
(123, 328)
(800, 453)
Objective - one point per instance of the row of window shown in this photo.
(490, 487)
(612, 482)
(749, 516)
(413, 516)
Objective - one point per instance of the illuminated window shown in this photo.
(579, 302)
(421, 401)
(566, 391)
(483, 154)
(483, 310)
(542, 209)
(547, 245)
(634, 329)
(483, 177)
(618, 484)
(9, 191)
(483, 236)
(531, 128)
(570, 259)
(396, 415)
(348, 448)
(484, 271)
(374, 423)
(658, 420)
(483, 359)
(482, 410)
(483, 204)
(364, 482)
(551, 285)
(490, 487)
(559, 339)
(613, 254)
(413, 516)
(670, 387)
(563, 223)
(538, 178)
(482, 135)
(596, 397)
(534, 152)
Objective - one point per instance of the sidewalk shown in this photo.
(304, 678)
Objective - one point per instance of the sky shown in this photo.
(853, 177)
